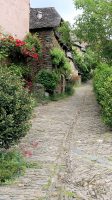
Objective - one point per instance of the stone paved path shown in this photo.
(70, 151)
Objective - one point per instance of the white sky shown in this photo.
(64, 7)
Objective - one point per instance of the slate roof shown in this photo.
(49, 18)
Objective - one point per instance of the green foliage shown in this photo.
(18, 50)
(11, 165)
(60, 62)
(91, 59)
(86, 63)
(21, 70)
(66, 70)
(49, 79)
(32, 42)
(103, 89)
(64, 31)
(58, 57)
(8, 47)
(16, 69)
(82, 66)
(3, 55)
(94, 26)
(15, 108)
(57, 97)
(69, 89)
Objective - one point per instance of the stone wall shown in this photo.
(14, 17)
(49, 41)
(46, 39)
(55, 42)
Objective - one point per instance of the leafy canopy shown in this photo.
(94, 25)
(103, 89)
(64, 31)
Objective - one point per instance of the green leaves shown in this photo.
(64, 31)
(49, 79)
(95, 25)
(58, 57)
(60, 62)
(15, 108)
(85, 63)
(32, 42)
(11, 164)
(103, 89)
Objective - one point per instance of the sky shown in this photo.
(64, 7)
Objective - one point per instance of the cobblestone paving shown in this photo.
(70, 151)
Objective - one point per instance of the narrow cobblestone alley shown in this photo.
(70, 153)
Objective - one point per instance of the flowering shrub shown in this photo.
(32, 42)
(12, 47)
(19, 43)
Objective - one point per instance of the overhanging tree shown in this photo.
(64, 31)
(94, 25)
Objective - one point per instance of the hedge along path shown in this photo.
(70, 153)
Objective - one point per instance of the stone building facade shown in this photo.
(45, 21)
(14, 17)
(48, 42)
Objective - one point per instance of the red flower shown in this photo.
(19, 43)
(35, 55)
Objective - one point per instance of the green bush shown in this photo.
(15, 108)
(49, 79)
(58, 57)
(3, 55)
(17, 50)
(11, 165)
(16, 69)
(21, 70)
(85, 63)
(69, 89)
(83, 68)
(60, 62)
(32, 42)
(103, 88)
(100, 77)
(64, 31)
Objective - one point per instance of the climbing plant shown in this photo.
(60, 62)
